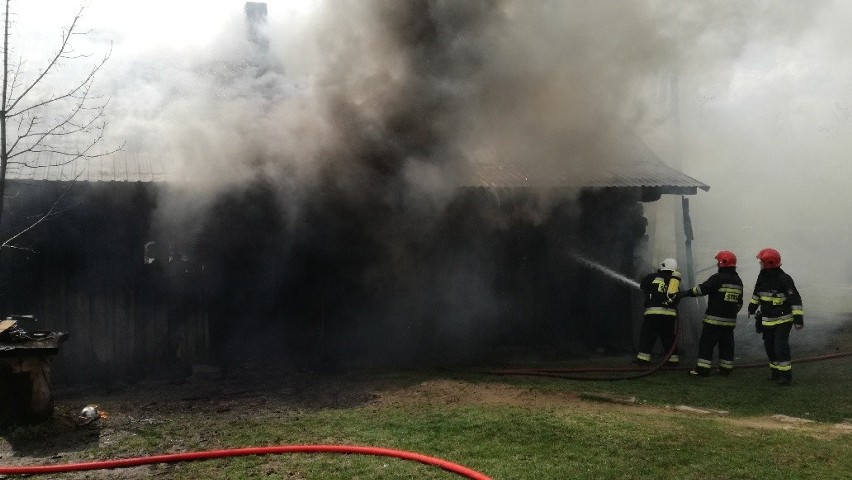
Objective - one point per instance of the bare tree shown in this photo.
(63, 125)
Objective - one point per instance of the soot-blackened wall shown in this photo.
(491, 279)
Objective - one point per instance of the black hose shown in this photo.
(572, 373)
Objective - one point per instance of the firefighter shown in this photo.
(777, 307)
(660, 291)
(724, 291)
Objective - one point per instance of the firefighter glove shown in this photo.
(758, 325)
(798, 321)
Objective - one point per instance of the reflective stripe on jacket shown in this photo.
(655, 288)
(777, 297)
(724, 291)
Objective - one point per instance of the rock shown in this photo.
(788, 419)
(687, 408)
(608, 397)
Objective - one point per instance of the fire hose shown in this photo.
(572, 374)
(567, 372)
(236, 452)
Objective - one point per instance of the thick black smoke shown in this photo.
(335, 225)
(380, 260)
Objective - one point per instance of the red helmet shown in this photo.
(769, 258)
(726, 259)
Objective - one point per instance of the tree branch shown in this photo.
(47, 123)
(85, 84)
(66, 37)
(42, 218)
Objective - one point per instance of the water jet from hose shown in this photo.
(605, 270)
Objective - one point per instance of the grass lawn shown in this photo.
(507, 427)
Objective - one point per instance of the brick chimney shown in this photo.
(256, 14)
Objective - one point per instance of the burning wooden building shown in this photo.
(363, 264)
(83, 268)
(491, 278)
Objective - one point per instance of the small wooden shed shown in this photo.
(139, 303)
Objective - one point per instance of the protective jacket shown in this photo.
(724, 291)
(655, 286)
(776, 296)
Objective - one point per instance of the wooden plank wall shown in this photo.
(131, 320)
(91, 280)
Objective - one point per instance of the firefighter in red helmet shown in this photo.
(777, 307)
(660, 317)
(724, 291)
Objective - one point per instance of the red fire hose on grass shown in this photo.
(237, 452)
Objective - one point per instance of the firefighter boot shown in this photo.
(785, 378)
(672, 361)
(773, 375)
(642, 359)
(700, 372)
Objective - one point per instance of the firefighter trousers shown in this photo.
(712, 335)
(776, 342)
(654, 326)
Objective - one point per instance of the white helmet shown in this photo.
(669, 264)
(88, 414)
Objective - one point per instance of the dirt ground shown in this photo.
(129, 406)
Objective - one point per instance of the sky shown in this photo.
(750, 97)
(768, 129)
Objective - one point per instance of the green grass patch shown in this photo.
(521, 443)
(539, 429)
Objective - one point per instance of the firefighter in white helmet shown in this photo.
(660, 291)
